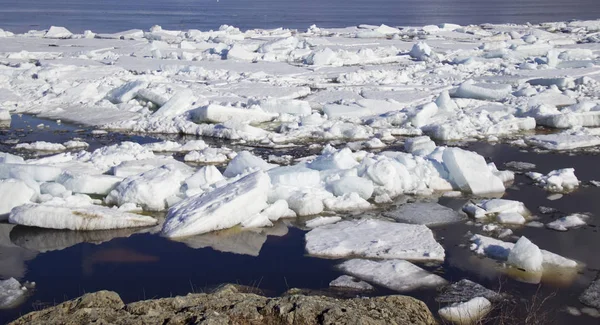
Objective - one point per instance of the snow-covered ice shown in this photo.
(374, 239)
(397, 275)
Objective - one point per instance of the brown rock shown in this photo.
(231, 305)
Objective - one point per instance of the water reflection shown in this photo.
(44, 240)
(237, 240)
(115, 255)
(12, 257)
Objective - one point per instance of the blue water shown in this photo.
(119, 15)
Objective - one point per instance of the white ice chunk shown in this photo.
(152, 190)
(376, 239)
(346, 203)
(421, 51)
(58, 32)
(338, 159)
(503, 206)
(560, 180)
(10, 159)
(424, 213)
(204, 177)
(218, 114)
(500, 250)
(297, 175)
(526, 255)
(88, 184)
(470, 173)
(279, 209)
(91, 217)
(563, 141)
(419, 146)
(4, 115)
(245, 161)
(288, 106)
(41, 146)
(39, 173)
(13, 193)
(135, 167)
(54, 189)
(222, 208)
(469, 312)
(397, 275)
(180, 103)
(349, 184)
(492, 92)
(568, 222)
(424, 114)
(511, 218)
(126, 92)
(308, 201)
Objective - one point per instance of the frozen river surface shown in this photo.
(115, 15)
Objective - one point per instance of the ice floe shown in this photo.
(374, 239)
(397, 275)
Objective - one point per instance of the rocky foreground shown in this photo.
(233, 305)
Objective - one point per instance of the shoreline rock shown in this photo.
(233, 304)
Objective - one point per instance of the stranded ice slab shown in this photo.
(221, 208)
(374, 238)
(91, 217)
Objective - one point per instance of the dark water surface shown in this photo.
(119, 15)
(139, 264)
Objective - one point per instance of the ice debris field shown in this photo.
(379, 105)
